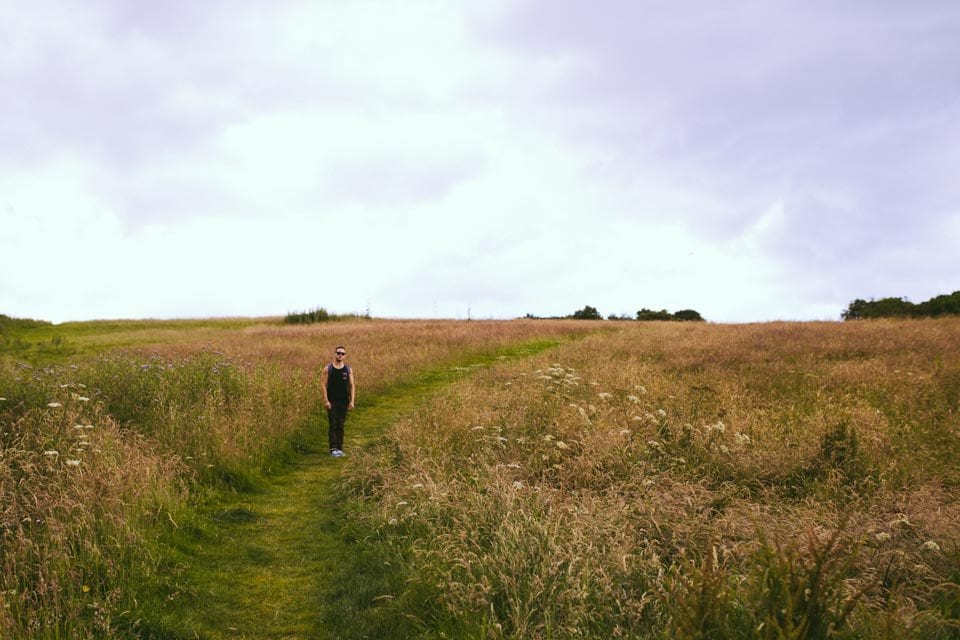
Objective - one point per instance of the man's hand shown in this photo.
(350, 406)
(328, 404)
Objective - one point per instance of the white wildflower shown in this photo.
(418, 485)
(661, 413)
(583, 413)
(3, 399)
(642, 389)
(742, 438)
(562, 445)
(73, 463)
(592, 409)
(402, 503)
(625, 432)
(930, 545)
(724, 449)
(633, 399)
(501, 439)
(548, 437)
(517, 484)
(513, 465)
(54, 405)
(604, 395)
(637, 418)
(392, 522)
(477, 428)
(883, 536)
(52, 453)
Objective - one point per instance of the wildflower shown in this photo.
(930, 545)
(625, 432)
(637, 418)
(592, 409)
(661, 413)
(477, 428)
(633, 399)
(501, 439)
(517, 484)
(548, 437)
(54, 405)
(742, 438)
(402, 503)
(883, 536)
(642, 389)
(3, 399)
(51, 453)
(562, 445)
(85, 588)
(419, 485)
(392, 521)
(604, 395)
(583, 412)
(73, 463)
(724, 449)
(513, 465)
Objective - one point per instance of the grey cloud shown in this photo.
(764, 102)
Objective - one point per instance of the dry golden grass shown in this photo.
(80, 507)
(689, 480)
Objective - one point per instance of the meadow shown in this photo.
(640, 480)
(112, 433)
(675, 480)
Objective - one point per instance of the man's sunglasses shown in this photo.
(341, 353)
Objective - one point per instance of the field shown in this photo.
(523, 479)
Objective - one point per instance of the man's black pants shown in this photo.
(337, 415)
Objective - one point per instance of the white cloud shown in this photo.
(773, 160)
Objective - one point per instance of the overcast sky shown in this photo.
(752, 160)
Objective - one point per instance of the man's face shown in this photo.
(340, 354)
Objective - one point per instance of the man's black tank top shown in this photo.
(338, 384)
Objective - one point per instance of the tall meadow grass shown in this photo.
(777, 480)
(100, 456)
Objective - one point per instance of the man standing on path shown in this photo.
(339, 391)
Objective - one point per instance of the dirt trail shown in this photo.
(270, 563)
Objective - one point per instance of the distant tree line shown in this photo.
(591, 313)
(320, 315)
(942, 305)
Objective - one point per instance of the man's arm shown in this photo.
(353, 388)
(323, 387)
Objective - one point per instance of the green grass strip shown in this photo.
(279, 562)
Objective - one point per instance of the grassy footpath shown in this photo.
(278, 562)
